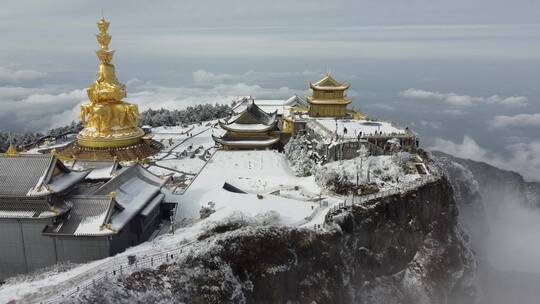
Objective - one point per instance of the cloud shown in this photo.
(206, 77)
(468, 148)
(523, 157)
(149, 95)
(381, 106)
(11, 75)
(39, 109)
(464, 100)
(431, 124)
(452, 112)
(520, 120)
(32, 110)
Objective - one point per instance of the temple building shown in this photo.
(280, 106)
(329, 98)
(111, 125)
(50, 213)
(252, 128)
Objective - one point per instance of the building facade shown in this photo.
(50, 213)
(252, 128)
(329, 98)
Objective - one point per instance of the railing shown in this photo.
(359, 200)
(116, 268)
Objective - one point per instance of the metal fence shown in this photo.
(115, 268)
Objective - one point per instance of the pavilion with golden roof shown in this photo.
(329, 98)
(111, 125)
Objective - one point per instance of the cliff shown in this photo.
(499, 210)
(401, 249)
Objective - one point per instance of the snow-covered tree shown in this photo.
(299, 151)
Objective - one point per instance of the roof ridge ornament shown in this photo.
(12, 151)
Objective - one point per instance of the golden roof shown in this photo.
(329, 83)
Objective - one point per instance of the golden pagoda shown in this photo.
(111, 125)
(108, 121)
(329, 98)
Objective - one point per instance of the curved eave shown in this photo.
(341, 87)
(228, 127)
(257, 112)
(246, 143)
(329, 101)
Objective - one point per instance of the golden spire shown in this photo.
(11, 151)
(103, 38)
(108, 120)
(106, 88)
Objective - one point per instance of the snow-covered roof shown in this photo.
(35, 175)
(136, 191)
(101, 170)
(89, 216)
(329, 83)
(244, 142)
(280, 106)
(29, 208)
(248, 128)
(135, 188)
(253, 114)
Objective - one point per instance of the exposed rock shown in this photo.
(401, 249)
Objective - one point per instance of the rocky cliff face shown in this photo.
(499, 210)
(402, 249)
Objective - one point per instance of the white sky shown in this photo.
(470, 68)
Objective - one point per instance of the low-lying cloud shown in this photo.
(519, 120)
(524, 156)
(464, 100)
(207, 77)
(38, 109)
(12, 75)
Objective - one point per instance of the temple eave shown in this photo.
(250, 128)
(344, 101)
(342, 87)
(246, 143)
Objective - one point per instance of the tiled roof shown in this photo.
(135, 188)
(101, 170)
(98, 214)
(35, 175)
(18, 175)
(87, 217)
(12, 208)
(253, 114)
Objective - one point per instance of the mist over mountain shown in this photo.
(499, 211)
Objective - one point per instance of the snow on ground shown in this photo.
(184, 149)
(354, 127)
(188, 165)
(294, 201)
(255, 172)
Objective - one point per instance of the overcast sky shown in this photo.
(463, 74)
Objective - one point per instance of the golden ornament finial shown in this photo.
(11, 151)
(103, 38)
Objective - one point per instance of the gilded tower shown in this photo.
(111, 125)
(329, 98)
(108, 120)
